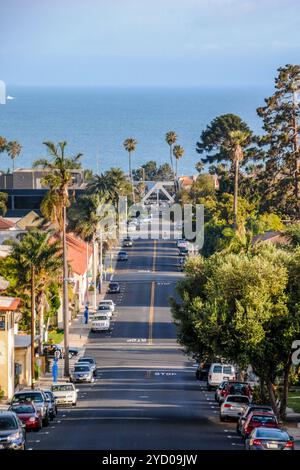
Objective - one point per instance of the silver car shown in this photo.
(233, 407)
(90, 361)
(82, 373)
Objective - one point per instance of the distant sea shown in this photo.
(95, 121)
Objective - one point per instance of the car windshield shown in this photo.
(113, 285)
(32, 396)
(87, 359)
(105, 302)
(62, 388)
(100, 317)
(7, 423)
(272, 434)
(82, 369)
(103, 307)
(22, 409)
(217, 369)
(237, 399)
(263, 419)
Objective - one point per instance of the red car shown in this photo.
(28, 414)
(258, 420)
(234, 387)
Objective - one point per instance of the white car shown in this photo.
(65, 393)
(109, 303)
(219, 373)
(105, 309)
(100, 322)
(181, 243)
(233, 407)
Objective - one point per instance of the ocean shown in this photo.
(96, 121)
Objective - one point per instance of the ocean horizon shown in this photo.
(96, 121)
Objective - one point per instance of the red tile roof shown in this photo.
(8, 304)
(6, 224)
(77, 251)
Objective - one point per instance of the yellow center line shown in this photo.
(152, 296)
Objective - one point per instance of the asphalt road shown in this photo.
(145, 395)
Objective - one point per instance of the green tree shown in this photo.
(13, 149)
(130, 146)
(281, 116)
(59, 178)
(3, 144)
(3, 203)
(178, 153)
(171, 139)
(109, 186)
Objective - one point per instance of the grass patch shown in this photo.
(56, 336)
(294, 401)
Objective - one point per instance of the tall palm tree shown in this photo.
(178, 153)
(130, 146)
(3, 203)
(13, 149)
(37, 260)
(54, 207)
(3, 144)
(237, 140)
(171, 138)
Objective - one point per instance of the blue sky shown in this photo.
(147, 42)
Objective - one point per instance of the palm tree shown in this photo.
(178, 153)
(59, 179)
(171, 138)
(37, 260)
(13, 149)
(3, 203)
(237, 140)
(3, 144)
(130, 146)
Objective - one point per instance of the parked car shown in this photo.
(100, 322)
(183, 251)
(258, 419)
(105, 310)
(252, 408)
(233, 407)
(108, 302)
(65, 393)
(12, 432)
(39, 399)
(113, 287)
(88, 360)
(127, 241)
(58, 350)
(202, 370)
(269, 439)
(28, 414)
(122, 256)
(219, 393)
(218, 373)
(82, 373)
(233, 387)
(181, 243)
(52, 406)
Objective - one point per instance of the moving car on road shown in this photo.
(252, 408)
(12, 432)
(269, 439)
(100, 322)
(113, 288)
(233, 407)
(122, 256)
(39, 399)
(88, 360)
(65, 393)
(218, 373)
(82, 373)
(28, 414)
(257, 420)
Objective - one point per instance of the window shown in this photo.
(2, 322)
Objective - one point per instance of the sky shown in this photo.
(159, 43)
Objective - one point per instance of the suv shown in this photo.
(39, 399)
(108, 302)
(100, 322)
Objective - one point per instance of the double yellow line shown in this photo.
(152, 297)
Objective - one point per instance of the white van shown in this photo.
(100, 322)
(219, 373)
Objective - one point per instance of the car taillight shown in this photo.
(289, 445)
(227, 405)
(256, 442)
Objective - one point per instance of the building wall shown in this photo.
(7, 373)
(23, 357)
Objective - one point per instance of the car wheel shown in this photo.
(74, 404)
(46, 421)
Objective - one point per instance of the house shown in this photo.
(185, 182)
(276, 237)
(8, 317)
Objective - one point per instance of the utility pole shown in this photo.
(65, 297)
(101, 262)
(32, 326)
